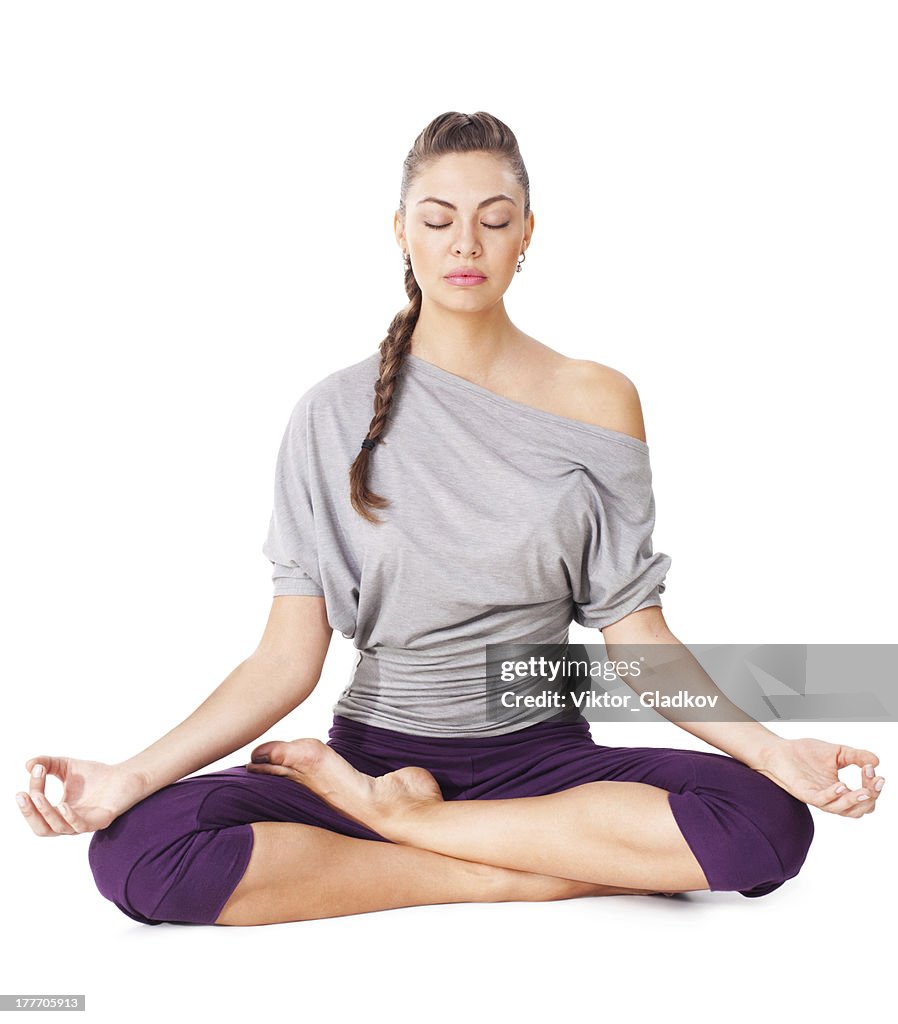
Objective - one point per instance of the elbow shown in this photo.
(645, 626)
(281, 672)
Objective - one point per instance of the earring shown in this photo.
(520, 263)
(407, 260)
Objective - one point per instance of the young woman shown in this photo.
(513, 490)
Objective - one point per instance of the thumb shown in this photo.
(858, 756)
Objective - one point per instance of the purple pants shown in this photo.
(179, 854)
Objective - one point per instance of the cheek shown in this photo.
(507, 248)
(432, 245)
(427, 246)
(509, 257)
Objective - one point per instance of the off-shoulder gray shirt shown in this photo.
(506, 523)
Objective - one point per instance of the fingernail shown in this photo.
(869, 771)
(863, 796)
(20, 800)
(37, 771)
(841, 789)
(879, 785)
(260, 759)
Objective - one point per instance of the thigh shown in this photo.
(747, 833)
(229, 798)
(563, 758)
(196, 834)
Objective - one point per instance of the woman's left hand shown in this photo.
(809, 770)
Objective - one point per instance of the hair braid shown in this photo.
(392, 353)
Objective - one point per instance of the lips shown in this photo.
(466, 274)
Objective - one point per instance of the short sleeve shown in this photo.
(620, 571)
(291, 545)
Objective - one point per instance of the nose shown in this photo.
(466, 244)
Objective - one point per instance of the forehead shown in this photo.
(465, 177)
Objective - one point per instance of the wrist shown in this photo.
(138, 777)
(766, 751)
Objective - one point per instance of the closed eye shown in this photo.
(492, 227)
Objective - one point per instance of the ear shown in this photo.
(399, 230)
(528, 228)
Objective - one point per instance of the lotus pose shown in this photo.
(464, 485)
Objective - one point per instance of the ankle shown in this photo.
(404, 822)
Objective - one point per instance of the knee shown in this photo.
(178, 878)
(113, 854)
(787, 827)
(177, 855)
(749, 834)
(794, 835)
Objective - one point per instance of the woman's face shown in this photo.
(455, 222)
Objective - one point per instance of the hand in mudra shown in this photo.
(809, 770)
(94, 794)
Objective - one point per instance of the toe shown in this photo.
(305, 754)
(260, 754)
(300, 755)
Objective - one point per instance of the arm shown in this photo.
(610, 398)
(276, 678)
(805, 768)
(736, 733)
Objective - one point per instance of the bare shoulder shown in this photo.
(579, 389)
(600, 395)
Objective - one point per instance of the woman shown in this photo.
(517, 495)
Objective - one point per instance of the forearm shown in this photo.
(668, 666)
(256, 695)
(748, 741)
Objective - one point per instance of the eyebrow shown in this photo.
(486, 202)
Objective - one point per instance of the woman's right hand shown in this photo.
(94, 794)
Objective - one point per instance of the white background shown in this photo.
(197, 205)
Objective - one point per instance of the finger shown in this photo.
(33, 816)
(75, 822)
(868, 775)
(52, 765)
(873, 786)
(870, 782)
(861, 809)
(832, 794)
(859, 802)
(846, 801)
(838, 798)
(37, 780)
(51, 815)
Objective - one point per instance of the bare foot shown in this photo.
(386, 803)
(380, 802)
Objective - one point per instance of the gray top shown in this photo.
(506, 522)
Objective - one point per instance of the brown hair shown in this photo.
(448, 133)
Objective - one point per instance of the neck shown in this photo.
(465, 343)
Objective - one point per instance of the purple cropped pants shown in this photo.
(179, 854)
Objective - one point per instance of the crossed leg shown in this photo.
(601, 838)
(303, 873)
